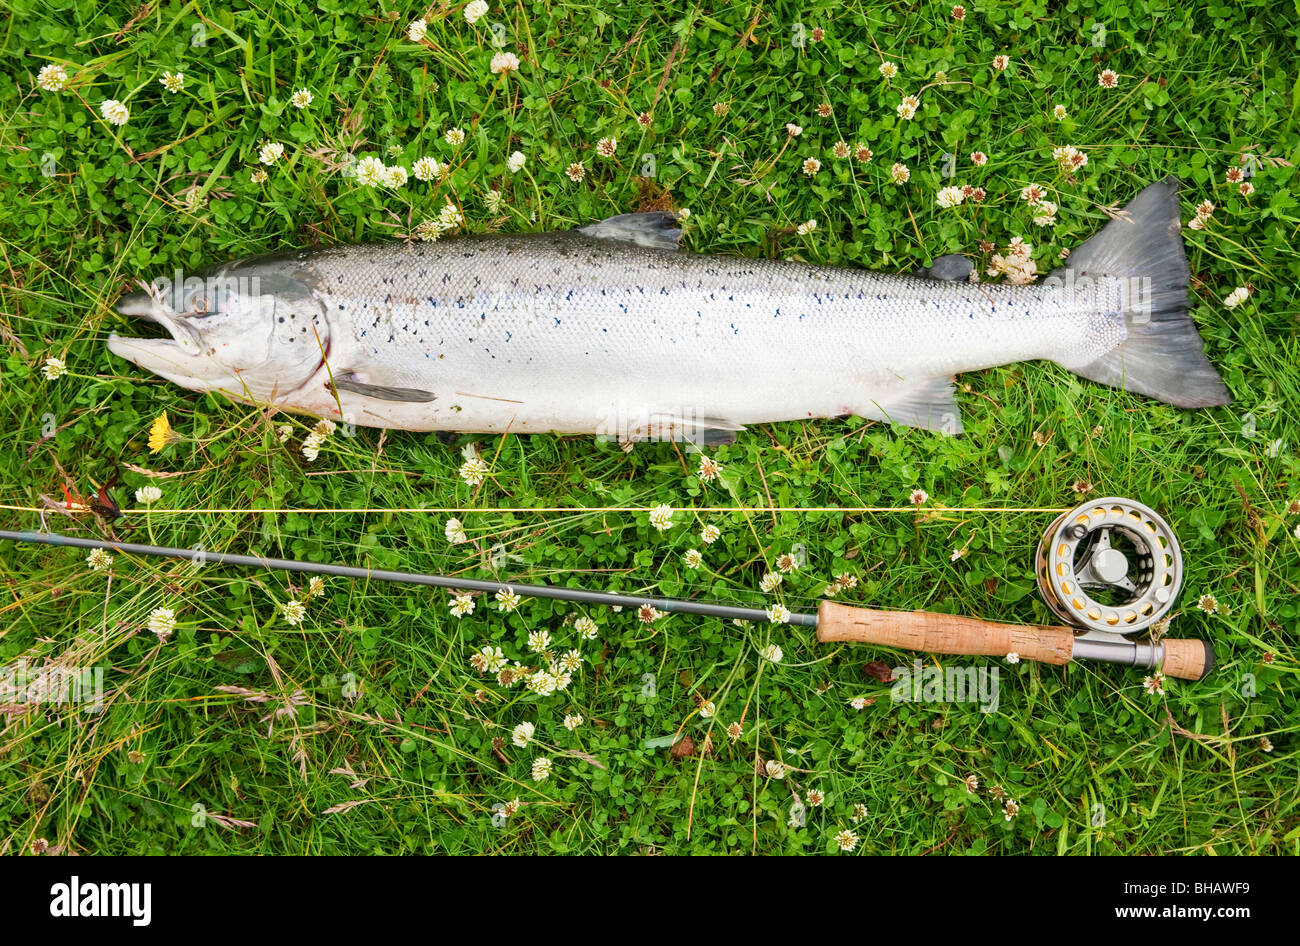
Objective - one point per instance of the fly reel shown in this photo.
(1110, 566)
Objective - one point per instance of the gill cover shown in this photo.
(253, 329)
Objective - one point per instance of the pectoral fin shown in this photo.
(382, 392)
(928, 405)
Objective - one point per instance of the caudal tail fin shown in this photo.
(1163, 355)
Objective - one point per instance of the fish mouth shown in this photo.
(176, 357)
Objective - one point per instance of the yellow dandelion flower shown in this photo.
(161, 433)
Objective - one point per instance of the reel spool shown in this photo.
(1110, 566)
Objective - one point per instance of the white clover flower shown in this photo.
(949, 197)
(416, 29)
(770, 581)
(395, 176)
(816, 797)
(474, 11)
(311, 445)
(586, 628)
(918, 497)
(807, 227)
(294, 611)
(774, 768)
(147, 495)
(710, 534)
(523, 734)
(114, 112)
(516, 162)
(735, 731)
(507, 600)
(473, 471)
(573, 721)
(492, 200)
(173, 81)
(772, 652)
(99, 559)
(888, 70)
(1059, 113)
(859, 702)
(450, 217)
(542, 683)
(316, 587)
(661, 517)
(571, 660)
(504, 63)
(455, 532)
(52, 78)
(1155, 684)
(54, 368)
(162, 622)
(370, 172)
(793, 130)
(707, 709)
(1236, 297)
(846, 840)
(455, 137)
(538, 641)
(492, 658)
(542, 765)
(900, 173)
(694, 558)
(427, 169)
(302, 98)
(270, 152)
(1013, 658)
(778, 614)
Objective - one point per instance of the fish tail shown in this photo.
(1162, 354)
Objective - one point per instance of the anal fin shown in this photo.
(928, 405)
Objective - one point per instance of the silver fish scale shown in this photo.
(556, 331)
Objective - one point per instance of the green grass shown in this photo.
(375, 687)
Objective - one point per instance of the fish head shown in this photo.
(253, 329)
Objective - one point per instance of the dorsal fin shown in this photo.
(656, 229)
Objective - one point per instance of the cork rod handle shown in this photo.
(954, 634)
(943, 633)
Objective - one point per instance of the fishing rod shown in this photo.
(1109, 568)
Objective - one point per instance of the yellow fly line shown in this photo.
(525, 510)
